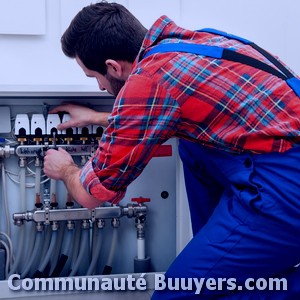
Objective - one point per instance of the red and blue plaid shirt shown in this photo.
(214, 102)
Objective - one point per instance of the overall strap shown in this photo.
(266, 54)
(231, 55)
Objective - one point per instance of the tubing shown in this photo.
(8, 254)
(30, 230)
(113, 246)
(76, 244)
(68, 242)
(22, 228)
(141, 248)
(108, 267)
(23, 188)
(82, 251)
(97, 243)
(55, 254)
(4, 192)
(53, 190)
(47, 240)
(38, 177)
(34, 255)
(65, 253)
(46, 260)
(9, 242)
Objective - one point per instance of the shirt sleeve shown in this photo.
(144, 117)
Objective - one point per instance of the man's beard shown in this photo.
(115, 84)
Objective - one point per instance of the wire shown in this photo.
(28, 185)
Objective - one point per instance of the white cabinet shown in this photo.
(23, 17)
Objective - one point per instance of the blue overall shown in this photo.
(245, 209)
(245, 213)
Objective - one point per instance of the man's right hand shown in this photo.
(80, 116)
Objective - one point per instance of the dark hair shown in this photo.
(103, 31)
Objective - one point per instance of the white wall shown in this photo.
(35, 61)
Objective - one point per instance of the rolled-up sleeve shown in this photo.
(93, 186)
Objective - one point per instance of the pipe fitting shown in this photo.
(100, 223)
(6, 151)
(19, 218)
(37, 162)
(85, 224)
(54, 226)
(70, 225)
(140, 226)
(22, 162)
(115, 222)
(39, 226)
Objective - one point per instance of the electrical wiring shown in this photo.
(28, 185)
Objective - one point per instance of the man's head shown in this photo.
(104, 38)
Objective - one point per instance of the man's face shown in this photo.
(105, 82)
(115, 84)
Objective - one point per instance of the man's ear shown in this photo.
(114, 68)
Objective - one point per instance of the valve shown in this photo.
(140, 200)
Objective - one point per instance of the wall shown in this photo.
(31, 62)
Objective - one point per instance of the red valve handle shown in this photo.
(140, 200)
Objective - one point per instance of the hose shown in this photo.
(53, 184)
(65, 254)
(38, 177)
(76, 244)
(108, 267)
(55, 254)
(4, 192)
(84, 243)
(97, 243)
(46, 260)
(9, 242)
(22, 228)
(34, 254)
(7, 257)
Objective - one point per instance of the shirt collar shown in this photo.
(154, 35)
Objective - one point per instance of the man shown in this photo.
(238, 126)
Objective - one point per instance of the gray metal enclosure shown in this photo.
(157, 182)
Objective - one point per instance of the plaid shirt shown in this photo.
(214, 102)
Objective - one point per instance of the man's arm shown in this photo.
(80, 116)
(59, 165)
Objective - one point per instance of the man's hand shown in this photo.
(80, 116)
(57, 163)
